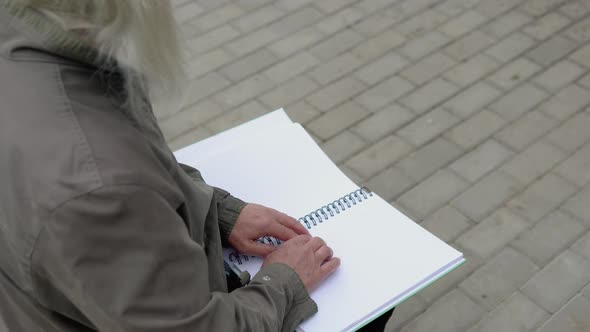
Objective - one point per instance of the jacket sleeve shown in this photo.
(125, 259)
(228, 206)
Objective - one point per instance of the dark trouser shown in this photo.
(377, 325)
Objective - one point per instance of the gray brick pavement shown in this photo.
(471, 116)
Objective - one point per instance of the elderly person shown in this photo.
(100, 227)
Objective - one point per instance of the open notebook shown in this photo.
(386, 257)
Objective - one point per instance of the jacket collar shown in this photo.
(23, 30)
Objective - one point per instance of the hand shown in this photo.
(256, 221)
(309, 257)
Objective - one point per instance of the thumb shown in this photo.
(260, 249)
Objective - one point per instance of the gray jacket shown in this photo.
(100, 227)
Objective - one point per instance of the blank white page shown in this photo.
(267, 124)
(287, 172)
(385, 257)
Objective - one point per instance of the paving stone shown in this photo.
(204, 87)
(453, 312)
(552, 50)
(379, 156)
(518, 101)
(546, 26)
(428, 126)
(340, 20)
(575, 168)
(187, 12)
(585, 81)
(475, 130)
(432, 193)
(208, 62)
(455, 7)
(404, 312)
(336, 44)
(542, 197)
(511, 47)
(541, 7)
(428, 96)
(493, 233)
(517, 314)
(506, 24)
(331, 6)
(390, 183)
(258, 18)
(342, 146)
(582, 56)
(219, 16)
(559, 281)
(295, 42)
(447, 223)
(550, 236)
(580, 32)
(481, 161)
(291, 67)
(582, 248)
(428, 68)
(374, 6)
(572, 134)
(241, 92)
(573, 317)
(495, 8)
(578, 205)
(559, 75)
(503, 274)
(427, 43)
(429, 158)
(212, 39)
(301, 112)
(383, 122)
(522, 132)
(514, 73)
(189, 118)
(292, 4)
(566, 102)
(384, 93)
(533, 162)
(421, 23)
(463, 24)
(486, 195)
(450, 281)
(575, 9)
(378, 21)
(336, 120)
(249, 65)
(469, 45)
(472, 99)
(379, 45)
(242, 114)
(288, 92)
(471, 70)
(335, 93)
(382, 68)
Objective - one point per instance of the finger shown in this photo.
(329, 267)
(300, 240)
(259, 249)
(281, 232)
(316, 243)
(323, 254)
(293, 224)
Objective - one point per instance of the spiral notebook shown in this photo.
(386, 257)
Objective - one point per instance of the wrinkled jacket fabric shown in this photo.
(100, 228)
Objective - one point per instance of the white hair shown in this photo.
(141, 35)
